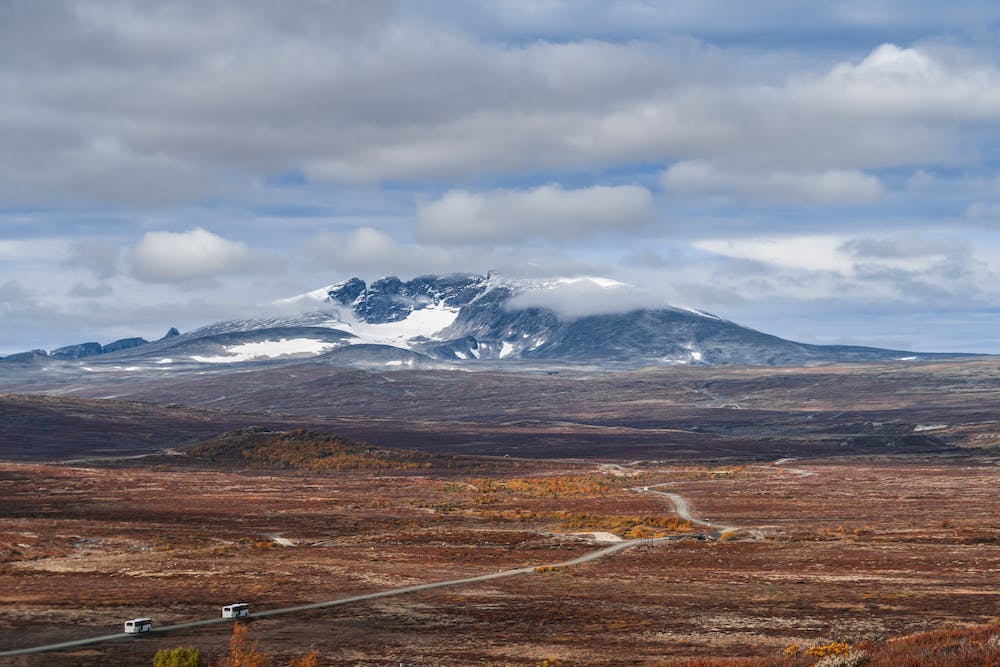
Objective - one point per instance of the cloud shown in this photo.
(85, 291)
(113, 102)
(191, 256)
(818, 23)
(814, 253)
(574, 298)
(368, 252)
(899, 83)
(645, 258)
(12, 292)
(548, 211)
(120, 118)
(101, 258)
(907, 246)
(833, 186)
(749, 278)
(20, 311)
(14, 250)
(981, 211)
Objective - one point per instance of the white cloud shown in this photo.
(193, 255)
(549, 211)
(34, 249)
(12, 292)
(404, 98)
(187, 101)
(893, 272)
(983, 211)
(100, 257)
(832, 186)
(900, 83)
(583, 296)
(902, 247)
(370, 253)
(815, 253)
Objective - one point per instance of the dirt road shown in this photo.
(680, 505)
(593, 555)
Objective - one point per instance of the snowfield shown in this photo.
(268, 349)
(425, 323)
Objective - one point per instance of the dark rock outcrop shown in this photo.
(77, 351)
(124, 344)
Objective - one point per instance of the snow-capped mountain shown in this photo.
(462, 319)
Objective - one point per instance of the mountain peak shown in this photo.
(431, 320)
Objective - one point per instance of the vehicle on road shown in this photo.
(238, 610)
(137, 625)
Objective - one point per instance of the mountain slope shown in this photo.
(458, 319)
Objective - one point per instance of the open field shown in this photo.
(680, 414)
(880, 520)
(859, 549)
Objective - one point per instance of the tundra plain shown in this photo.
(863, 513)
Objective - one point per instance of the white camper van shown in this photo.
(238, 610)
(137, 625)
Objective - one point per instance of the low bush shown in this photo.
(182, 656)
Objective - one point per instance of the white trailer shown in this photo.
(137, 625)
(238, 610)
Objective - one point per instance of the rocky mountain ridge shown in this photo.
(434, 321)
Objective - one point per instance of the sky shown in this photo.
(825, 172)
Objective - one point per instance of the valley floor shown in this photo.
(857, 550)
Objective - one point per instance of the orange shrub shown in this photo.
(547, 487)
(833, 648)
(304, 450)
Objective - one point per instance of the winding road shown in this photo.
(680, 505)
(684, 510)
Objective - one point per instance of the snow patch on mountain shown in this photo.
(699, 313)
(311, 299)
(267, 349)
(421, 324)
(605, 283)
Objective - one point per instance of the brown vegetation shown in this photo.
(544, 487)
(858, 553)
(630, 526)
(304, 450)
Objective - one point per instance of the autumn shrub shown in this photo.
(637, 526)
(310, 660)
(182, 656)
(544, 487)
(823, 650)
(704, 472)
(849, 659)
(243, 652)
(726, 662)
(304, 450)
(946, 647)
